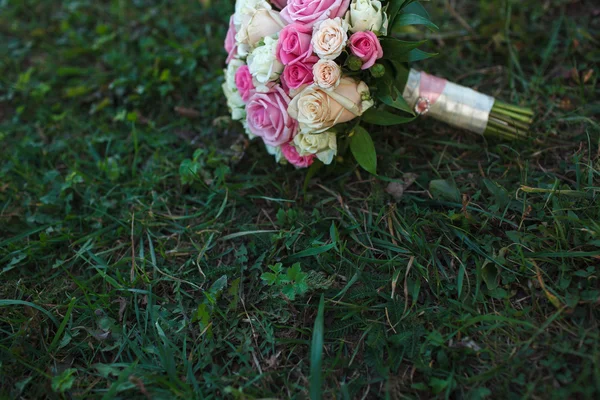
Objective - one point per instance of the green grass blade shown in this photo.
(7, 303)
(63, 325)
(316, 353)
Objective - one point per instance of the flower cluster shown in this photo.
(294, 68)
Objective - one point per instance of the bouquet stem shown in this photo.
(508, 121)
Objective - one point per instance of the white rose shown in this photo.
(231, 70)
(329, 38)
(367, 15)
(276, 152)
(327, 74)
(234, 99)
(243, 50)
(264, 65)
(247, 130)
(317, 110)
(323, 145)
(235, 103)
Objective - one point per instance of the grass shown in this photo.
(146, 247)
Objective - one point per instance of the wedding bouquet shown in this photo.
(305, 76)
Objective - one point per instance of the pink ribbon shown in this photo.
(431, 89)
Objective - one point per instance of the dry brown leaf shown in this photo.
(396, 189)
(188, 112)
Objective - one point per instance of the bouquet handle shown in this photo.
(465, 108)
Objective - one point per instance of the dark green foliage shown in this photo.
(137, 225)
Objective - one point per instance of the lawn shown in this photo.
(148, 250)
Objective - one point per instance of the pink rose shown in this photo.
(243, 82)
(230, 45)
(294, 44)
(299, 74)
(279, 3)
(291, 154)
(366, 46)
(309, 12)
(268, 117)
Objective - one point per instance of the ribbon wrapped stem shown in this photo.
(465, 108)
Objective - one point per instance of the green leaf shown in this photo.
(414, 7)
(500, 194)
(386, 82)
(234, 293)
(281, 217)
(289, 291)
(334, 234)
(63, 382)
(22, 384)
(269, 278)
(479, 393)
(384, 118)
(294, 272)
(394, 48)
(203, 315)
(316, 352)
(401, 72)
(77, 91)
(313, 251)
(301, 287)
(312, 171)
(436, 338)
(460, 279)
(415, 55)
(399, 103)
(218, 286)
(438, 385)
(490, 274)
(107, 370)
(277, 268)
(363, 150)
(13, 263)
(413, 19)
(444, 189)
(188, 171)
(393, 8)
(389, 91)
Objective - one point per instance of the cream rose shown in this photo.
(244, 11)
(261, 24)
(329, 38)
(367, 15)
(322, 145)
(327, 74)
(317, 110)
(264, 65)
